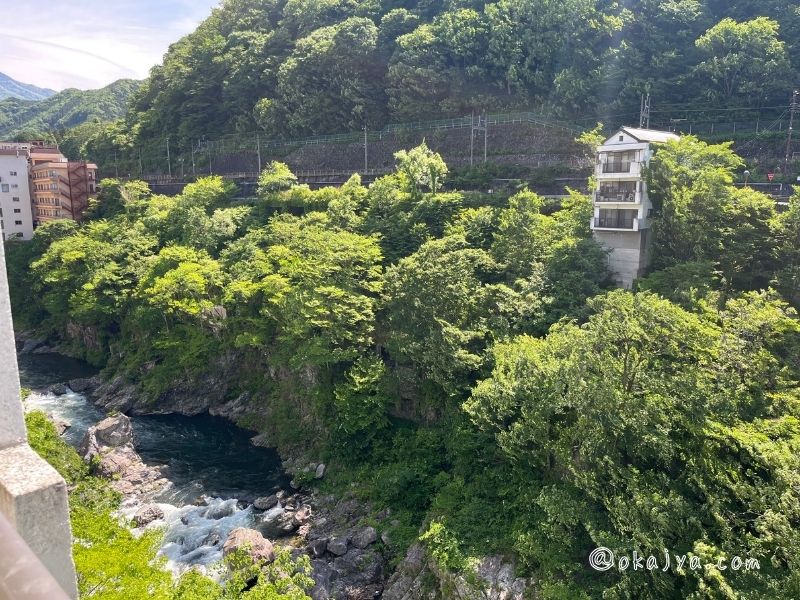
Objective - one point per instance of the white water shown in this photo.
(193, 534)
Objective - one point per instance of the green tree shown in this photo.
(421, 168)
(742, 59)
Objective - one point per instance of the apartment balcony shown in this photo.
(614, 170)
(618, 224)
(617, 167)
(619, 197)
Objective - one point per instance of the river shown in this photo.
(208, 458)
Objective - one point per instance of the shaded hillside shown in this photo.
(300, 67)
(11, 88)
(65, 109)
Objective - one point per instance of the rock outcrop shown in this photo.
(256, 545)
(147, 514)
(493, 578)
(109, 446)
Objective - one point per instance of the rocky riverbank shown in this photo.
(346, 556)
(341, 535)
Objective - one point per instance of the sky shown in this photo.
(87, 44)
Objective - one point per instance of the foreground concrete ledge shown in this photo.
(33, 498)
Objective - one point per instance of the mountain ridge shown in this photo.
(11, 88)
(68, 108)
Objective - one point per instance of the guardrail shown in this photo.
(22, 574)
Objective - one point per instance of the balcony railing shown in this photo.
(617, 167)
(616, 223)
(620, 197)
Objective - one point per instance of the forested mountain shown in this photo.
(11, 88)
(296, 67)
(68, 108)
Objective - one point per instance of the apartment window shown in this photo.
(17, 222)
(15, 199)
(617, 219)
(3, 187)
(14, 186)
(17, 210)
(622, 138)
(12, 173)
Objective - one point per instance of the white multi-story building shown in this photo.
(621, 204)
(16, 215)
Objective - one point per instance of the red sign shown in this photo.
(770, 176)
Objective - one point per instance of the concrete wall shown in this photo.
(628, 254)
(33, 496)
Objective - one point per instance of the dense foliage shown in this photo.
(289, 68)
(51, 116)
(463, 359)
(114, 564)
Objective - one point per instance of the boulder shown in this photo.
(57, 389)
(221, 510)
(301, 515)
(60, 424)
(319, 473)
(256, 545)
(111, 432)
(30, 345)
(365, 537)
(147, 514)
(338, 545)
(317, 548)
(81, 384)
(266, 502)
(212, 539)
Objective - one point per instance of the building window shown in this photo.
(622, 138)
(17, 210)
(3, 187)
(617, 219)
(15, 199)
(12, 173)
(17, 222)
(14, 186)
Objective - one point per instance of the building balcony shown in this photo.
(624, 171)
(620, 197)
(617, 167)
(618, 224)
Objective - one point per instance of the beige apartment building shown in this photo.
(60, 189)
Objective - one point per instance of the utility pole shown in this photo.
(792, 109)
(365, 149)
(194, 173)
(485, 134)
(471, 137)
(483, 125)
(258, 150)
(116, 165)
(141, 170)
(644, 112)
(169, 162)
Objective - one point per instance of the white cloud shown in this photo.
(89, 44)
